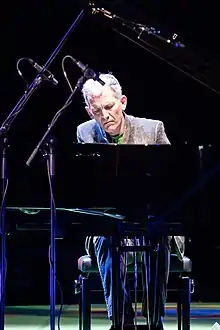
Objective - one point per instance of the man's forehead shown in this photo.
(103, 95)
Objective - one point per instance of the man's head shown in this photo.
(105, 104)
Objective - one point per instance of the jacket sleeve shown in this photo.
(79, 135)
(161, 137)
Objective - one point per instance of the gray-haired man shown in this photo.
(110, 124)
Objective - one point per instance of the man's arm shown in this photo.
(79, 135)
(161, 137)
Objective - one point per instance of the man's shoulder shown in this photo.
(143, 122)
(87, 125)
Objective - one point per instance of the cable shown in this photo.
(8, 121)
(64, 72)
(61, 305)
(19, 71)
(49, 252)
(61, 292)
(58, 112)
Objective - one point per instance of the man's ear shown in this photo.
(124, 102)
(89, 112)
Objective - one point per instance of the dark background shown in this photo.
(155, 90)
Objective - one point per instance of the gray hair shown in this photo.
(93, 87)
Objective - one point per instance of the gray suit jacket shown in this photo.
(137, 131)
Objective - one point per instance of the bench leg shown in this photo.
(80, 306)
(85, 309)
(186, 298)
(179, 306)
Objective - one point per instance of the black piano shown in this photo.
(133, 181)
(102, 187)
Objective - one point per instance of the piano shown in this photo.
(129, 181)
(107, 189)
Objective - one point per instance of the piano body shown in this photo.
(100, 188)
(133, 181)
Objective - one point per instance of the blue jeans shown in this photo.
(104, 260)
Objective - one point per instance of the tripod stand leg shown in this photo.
(146, 279)
(2, 278)
(4, 182)
(52, 251)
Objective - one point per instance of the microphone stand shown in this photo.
(143, 39)
(4, 186)
(36, 82)
(4, 180)
(51, 174)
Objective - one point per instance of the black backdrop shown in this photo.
(154, 89)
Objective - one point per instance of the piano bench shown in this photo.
(88, 265)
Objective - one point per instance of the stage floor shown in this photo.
(203, 316)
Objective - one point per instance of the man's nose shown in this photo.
(105, 114)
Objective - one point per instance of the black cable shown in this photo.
(65, 73)
(10, 119)
(19, 71)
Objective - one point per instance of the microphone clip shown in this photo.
(87, 72)
(90, 74)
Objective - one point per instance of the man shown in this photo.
(109, 123)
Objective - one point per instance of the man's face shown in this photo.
(107, 110)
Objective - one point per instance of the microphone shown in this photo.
(104, 12)
(88, 73)
(47, 75)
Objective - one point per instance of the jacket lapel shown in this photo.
(127, 130)
(100, 135)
